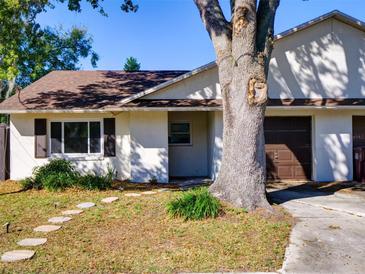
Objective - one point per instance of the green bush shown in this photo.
(195, 204)
(92, 181)
(58, 181)
(56, 166)
(28, 183)
(60, 174)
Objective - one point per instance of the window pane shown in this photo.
(56, 137)
(180, 127)
(180, 139)
(75, 137)
(95, 137)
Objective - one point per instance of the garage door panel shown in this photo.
(285, 172)
(302, 170)
(285, 156)
(288, 147)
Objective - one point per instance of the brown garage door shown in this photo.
(358, 136)
(288, 148)
(358, 131)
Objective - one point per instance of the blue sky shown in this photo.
(168, 34)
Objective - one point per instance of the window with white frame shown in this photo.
(180, 133)
(75, 137)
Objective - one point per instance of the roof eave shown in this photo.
(347, 19)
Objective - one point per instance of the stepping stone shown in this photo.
(109, 200)
(17, 255)
(47, 228)
(132, 194)
(72, 212)
(59, 220)
(163, 190)
(32, 241)
(85, 205)
(149, 192)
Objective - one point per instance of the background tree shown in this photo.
(131, 64)
(28, 52)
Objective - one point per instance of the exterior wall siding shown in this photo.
(190, 160)
(22, 160)
(204, 85)
(215, 143)
(326, 60)
(149, 146)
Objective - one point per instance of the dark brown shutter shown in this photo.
(109, 137)
(40, 134)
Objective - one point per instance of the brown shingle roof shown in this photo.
(85, 89)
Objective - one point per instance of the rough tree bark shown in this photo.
(243, 47)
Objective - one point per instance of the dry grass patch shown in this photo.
(135, 234)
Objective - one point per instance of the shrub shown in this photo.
(58, 181)
(195, 204)
(55, 175)
(92, 181)
(56, 166)
(59, 174)
(27, 183)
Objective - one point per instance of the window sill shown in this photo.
(78, 157)
(180, 145)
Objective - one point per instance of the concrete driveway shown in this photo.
(329, 236)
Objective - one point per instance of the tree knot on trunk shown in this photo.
(256, 92)
(261, 58)
(239, 20)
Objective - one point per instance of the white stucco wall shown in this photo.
(326, 60)
(332, 146)
(215, 143)
(204, 85)
(190, 160)
(149, 146)
(22, 161)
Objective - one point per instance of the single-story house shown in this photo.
(166, 124)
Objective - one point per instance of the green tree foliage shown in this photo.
(28, 52)
(131, 64)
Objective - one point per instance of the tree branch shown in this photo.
(244, 30)
(232, 4)
(219, 29)
(265, 28)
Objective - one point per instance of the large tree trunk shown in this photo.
(241, 179)
(243, 47)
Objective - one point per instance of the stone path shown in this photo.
(109, 200)
(85, 205)
(132, 195)
(148, 192)
(17, 255)
(163, 190)
(32, 241)
(72, 212)
(47, 228)
(59, 219)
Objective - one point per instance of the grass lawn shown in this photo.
(135, 234)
